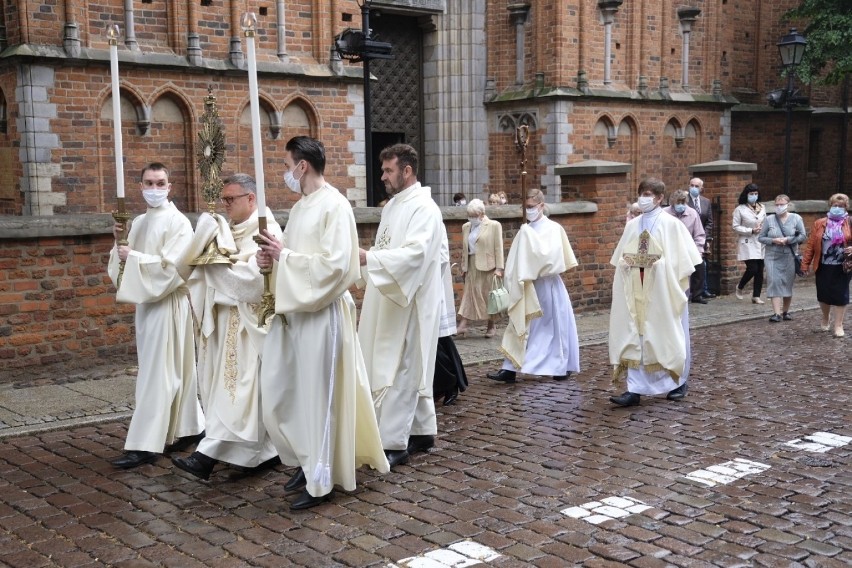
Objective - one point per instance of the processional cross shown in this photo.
(641, 259)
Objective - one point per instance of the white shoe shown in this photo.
(739, 293)
(757, 300)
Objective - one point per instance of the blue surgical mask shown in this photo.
(694, 191)
(752, 199)
(680, 208)
(836, 211)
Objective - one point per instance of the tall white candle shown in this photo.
(114, 32)
(249, 21)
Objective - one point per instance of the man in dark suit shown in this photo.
(704, 209)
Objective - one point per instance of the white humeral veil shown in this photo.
(224, 297)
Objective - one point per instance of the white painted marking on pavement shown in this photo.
(597, 512)
(727, 472)
(819, 442)
(458, 555)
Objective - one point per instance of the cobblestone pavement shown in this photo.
(753, 468)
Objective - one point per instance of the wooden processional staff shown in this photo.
(522, 138)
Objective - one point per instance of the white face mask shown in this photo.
(155, 197)
(461, 202)
(780, 209)
(533, 213)
(294, 184)
(474, 221)
(646, 203)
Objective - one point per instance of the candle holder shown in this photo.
(266, 308)
(211, 158)
(121, 216)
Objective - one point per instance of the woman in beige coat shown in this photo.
(482, 259)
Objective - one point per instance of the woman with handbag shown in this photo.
(748, 221)
(541, 337)
(781, 234)
(828, 254)
(481, 263)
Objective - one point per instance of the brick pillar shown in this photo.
(593, 237)
(725, 179)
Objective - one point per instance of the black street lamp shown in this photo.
(355, 46)
(792, 48)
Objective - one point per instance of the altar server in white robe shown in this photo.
(649, 319)
(167, 409)
(402, 308)
(230, 341)
(315, 395)
(541, 337)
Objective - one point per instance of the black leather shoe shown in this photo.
(699, 300)
(450, 398)
(625, 399)
(786, 317)
(183, 444)
(197, 464)
(396, 457)
(775, 319)
(502, 376)
(679, 393)
(134, 458)
(305, 501)
(240, 471)
(297, 481)
(708, 295)
(562, 377)
(420, 444)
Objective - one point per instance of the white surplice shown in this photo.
(541, 337)
(315, 395)
(401, 313)
(167, 404)
(224, 298)
(649, 321)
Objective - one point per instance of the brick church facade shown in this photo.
(657, 86)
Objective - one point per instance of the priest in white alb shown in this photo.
(541, 336)
(167, 409)
(224, 298)
(315, 393)
(402, 308)
(649, 321)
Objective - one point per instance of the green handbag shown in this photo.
(498, 297)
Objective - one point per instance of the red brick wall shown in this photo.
(87, 142)
(57, 303)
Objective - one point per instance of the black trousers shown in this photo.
(754, 269)
(696, 282)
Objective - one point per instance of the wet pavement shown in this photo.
(753, 468)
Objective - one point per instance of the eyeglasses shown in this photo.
(230, 200)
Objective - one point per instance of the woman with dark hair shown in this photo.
(829, 243)
(748, 221)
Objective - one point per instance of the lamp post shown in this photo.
(355, 46)
(792, 48)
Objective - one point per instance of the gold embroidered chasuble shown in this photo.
(652, 268)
